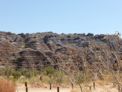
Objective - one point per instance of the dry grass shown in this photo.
(74, 90)
(6, 86)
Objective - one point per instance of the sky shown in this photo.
(61, 16)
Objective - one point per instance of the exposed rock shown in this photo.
(68, 52)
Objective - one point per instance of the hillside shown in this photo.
(68, 52)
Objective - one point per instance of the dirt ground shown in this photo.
(43, 90)
(98, 89)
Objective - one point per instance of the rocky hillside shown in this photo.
(63, 51)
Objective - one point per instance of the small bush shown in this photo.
(6, 86)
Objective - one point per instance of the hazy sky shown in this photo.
(67, 16)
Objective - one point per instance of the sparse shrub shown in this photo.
(6, 86)
(59, 75)
(49, 72)
(16, 75)
(28, 73)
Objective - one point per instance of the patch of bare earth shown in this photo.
(106, 88)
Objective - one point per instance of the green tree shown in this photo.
(82, 77)
(59, 75)
(49, 71)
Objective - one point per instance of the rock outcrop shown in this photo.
(68, 52)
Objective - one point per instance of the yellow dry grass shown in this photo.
(6, 86)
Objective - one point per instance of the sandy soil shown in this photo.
(42, 90)
(107, 88)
